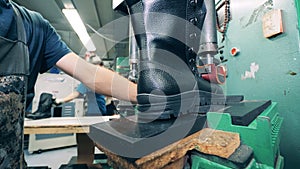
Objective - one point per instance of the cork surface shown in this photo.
(208, 141)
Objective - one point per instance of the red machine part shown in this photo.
(218, 74)
(234, 51)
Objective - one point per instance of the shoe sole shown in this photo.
(166, 107)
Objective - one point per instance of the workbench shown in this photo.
(78, 125)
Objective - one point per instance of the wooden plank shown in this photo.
(57, 125)
(208, 141)
(56, 130)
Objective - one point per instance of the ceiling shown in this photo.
(96, 13)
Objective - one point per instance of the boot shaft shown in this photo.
(168, 35)
(171, 25)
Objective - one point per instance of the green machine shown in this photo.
(262, 135)
(122, 65)
(266, 68)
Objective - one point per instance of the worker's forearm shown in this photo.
(99, 79)
(71, 96)
(118, 86)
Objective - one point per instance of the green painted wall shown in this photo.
(276, 58)
(298, 11)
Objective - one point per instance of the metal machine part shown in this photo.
(209, 47)
(133, 56)
(208, 42)
(217, 75)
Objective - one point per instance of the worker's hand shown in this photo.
(58, 102)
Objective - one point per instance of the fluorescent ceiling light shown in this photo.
(116, 3)
(78, 26)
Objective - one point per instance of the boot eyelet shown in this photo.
(193, 69)
(193, 35)
(194, 21)
(191, 50)
(193, 3)
(192, 60)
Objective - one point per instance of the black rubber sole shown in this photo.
(165, 107)
(176, 105)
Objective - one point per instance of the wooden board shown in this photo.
(208, 141)
(55, 125)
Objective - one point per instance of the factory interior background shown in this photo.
(264, 68)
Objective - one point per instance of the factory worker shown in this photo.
(29, 45)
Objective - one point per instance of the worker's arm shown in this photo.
(68, 98)
(99, 79)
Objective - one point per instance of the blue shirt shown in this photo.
(44, 44)
(96, 102)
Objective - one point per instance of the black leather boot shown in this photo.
(44, 107)
(168, 36)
